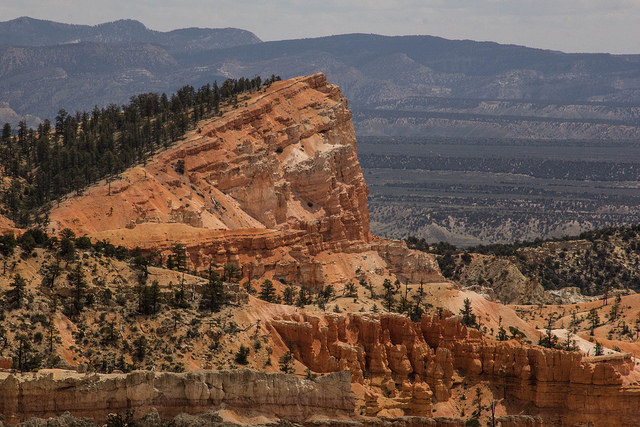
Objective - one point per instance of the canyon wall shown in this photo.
(253, 393)
(274, 185)
(414, 364)
(284, 160)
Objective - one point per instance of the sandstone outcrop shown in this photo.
(273, 185)
(414, 363)
(390, 350)
(49, 393)
(213, 419)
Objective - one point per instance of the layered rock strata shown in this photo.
(50, 393)
(414, 363)
(274, 185)
(213, 419)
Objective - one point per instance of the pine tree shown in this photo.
(613, 313)
(404, 305)
(416, 312)
(140, 347)
(350, 290)
(76, 280)
(180, 257)
(304, 297)
(478, 402)
(51, 273)
(549, 340)
(67, 249)
(502, 334)
(468, 318)
(154, 296)
(286, 363)
(24, 346)
(594, 319)
(27, 359)
(51, 328)
(180, 297)
(213, 296)
(598, 350)
(241, 355)
(388, 294)
(232, 273)
(321, 301)
(148, 298)
(17, 291)
(288, 295)
(268, 291)
(8, 244)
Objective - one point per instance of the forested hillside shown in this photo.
(597, 262)
(41, 165)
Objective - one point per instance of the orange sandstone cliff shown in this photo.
(417, 365)
(250, 393)
(273, 185)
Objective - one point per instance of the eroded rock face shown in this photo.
(212, 419)
(414, 363)
(388, 349)
(51, 393)
(286, 161)
(274, 185)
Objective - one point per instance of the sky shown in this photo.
(569, 25)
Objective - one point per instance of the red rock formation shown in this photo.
(386, 347)
(50, 393)
(274, 185)
(391, 350)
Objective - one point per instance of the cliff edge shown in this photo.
(273, 185)
(252, 393)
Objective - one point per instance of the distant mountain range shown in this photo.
(406, 85)
(35, 32)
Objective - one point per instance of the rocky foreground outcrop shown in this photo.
(273, 185)
(253, 393)
(213, 419)
(415, 364)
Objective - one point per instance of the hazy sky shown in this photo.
(568, 25)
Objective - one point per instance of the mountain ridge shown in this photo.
(37, 32)
(400, 73)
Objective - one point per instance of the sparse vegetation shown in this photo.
(101, 300)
